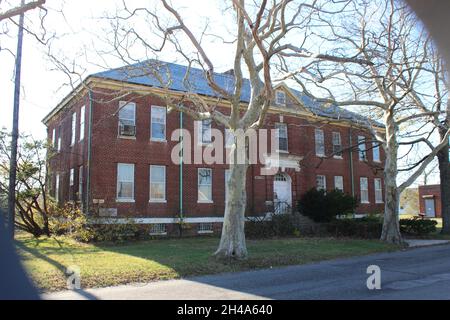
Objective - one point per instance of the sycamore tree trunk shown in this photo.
(232, 242)
(444, 173)
(391, 227)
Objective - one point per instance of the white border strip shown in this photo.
(152, 220)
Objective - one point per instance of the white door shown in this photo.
(429, 208)
(282, 193)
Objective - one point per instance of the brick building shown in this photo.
(430, 200)
(113, 155)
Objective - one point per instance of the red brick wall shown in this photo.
(108, 150)
(435, 192)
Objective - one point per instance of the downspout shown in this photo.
(181, 171)
(352, 174)
(89, 160)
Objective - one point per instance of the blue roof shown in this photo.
(173, 77)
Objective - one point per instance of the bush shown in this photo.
(115, 232)
(70, 220)
(282, 225)
(365, 228)
(417, 226)
(323, 206)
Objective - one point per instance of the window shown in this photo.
(378, 190)
(339, 183)
(282, 136)
(74, 128)
(58, 147)
(320, 143)
(364, 186)
(280, 97)
(321, 182)
(362, 148)
(204, 131)
(54, 138)
(229, 138)
(80, 183)
(227, 178)
(57, 188)
(158, 229)
(158, 123)
(72, 177)
(337, 145)
(204, 185)
(157, 183)
(205, 227)
(125, 182)
(127, 119)
(82, 116)
(376, 151)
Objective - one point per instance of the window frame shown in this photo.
(82, 123)
(361, 179)
(324, 182)
(316, 142)
(337, 154)
(362, 148)
(200, 132)
(71, 177)
(80, 182)
(155, 107)
(376, 146)
(202, 230)
(125, 199)
(57, 187)
(378, 191)
(122, 105)
(154, 232)
(278, 125)
(279, 93)
(341, 178)
(73, 132)
(157, 200)
(210, 186)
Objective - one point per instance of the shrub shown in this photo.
(115, 232)
(70, 220)
(323, 206)
(282, 225)
(365, 228)
(417, 226)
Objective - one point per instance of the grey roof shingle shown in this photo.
(172, 76)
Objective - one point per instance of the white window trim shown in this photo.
(80, 182)
(121, 105)
(381, 190)
(200, 141)
(59, 143)
(57, 186)
(324, 182)
(130, 200)
(71, 177)
(277, 102)
(360, 190)
(73, 133)
(82, 123)
(198, 186)
(335, 156)
(53, 138)
(165, 124)
(362, 145)
(375, 145)
(155, 200)
(316, 141)
(287, 137)
(342, 180)
(205, 231)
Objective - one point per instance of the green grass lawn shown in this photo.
(104, 265)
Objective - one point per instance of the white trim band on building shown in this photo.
(152, 220)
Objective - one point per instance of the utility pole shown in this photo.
(15, 129)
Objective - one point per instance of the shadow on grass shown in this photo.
(59, 266)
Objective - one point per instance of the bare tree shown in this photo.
(386, 33)
(15, 10)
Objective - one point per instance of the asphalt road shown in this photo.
(421, 273)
